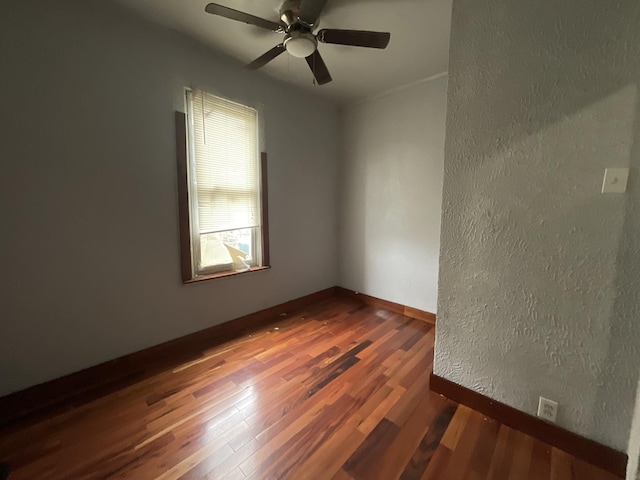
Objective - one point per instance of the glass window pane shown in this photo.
(239, 239)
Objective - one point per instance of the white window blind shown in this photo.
(225, 142)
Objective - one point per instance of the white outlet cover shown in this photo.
(615, 180)
(547, 409)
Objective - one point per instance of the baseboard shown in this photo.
(391, 306)
(602, 456)
(66, 392)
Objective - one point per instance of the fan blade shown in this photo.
(318, 67)
(227, 12)
(265, 58)
(310, 11)
(357, 38)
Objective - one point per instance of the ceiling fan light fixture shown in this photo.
(300, 45)
(298, 19)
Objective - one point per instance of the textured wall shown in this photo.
(89, 265)
(391, 195)
(539, 272)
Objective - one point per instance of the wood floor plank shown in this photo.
(560, 465)
(205, 465)
(329, 457)
(403, 408)
(365, 461)
(211, 448)
(177, 418)
(339, 389)
(287, 460)
(189, 439)
(483, 451)
(456, 427)
(521, 458)
(540, 461)
(342, 475)
(232, 464)
(233, 475)
(372, 421)
(425, 451)
(439, 464)
(468, 440)
(276, 437)
(502, 455)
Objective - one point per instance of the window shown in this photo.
(222, 188)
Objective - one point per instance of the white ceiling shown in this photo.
(419, 46)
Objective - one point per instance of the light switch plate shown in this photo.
(615, 180)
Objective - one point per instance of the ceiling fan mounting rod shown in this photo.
(288, 18)
(290, 14)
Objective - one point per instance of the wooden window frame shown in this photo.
(187, 272)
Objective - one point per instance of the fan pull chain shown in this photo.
(204, 123)
(314, 71)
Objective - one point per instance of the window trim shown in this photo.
(186, 254)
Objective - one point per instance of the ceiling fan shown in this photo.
(298, 20)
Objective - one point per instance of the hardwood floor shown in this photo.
(340, 390)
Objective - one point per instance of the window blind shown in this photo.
(226, 163)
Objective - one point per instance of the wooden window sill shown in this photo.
(212, 276)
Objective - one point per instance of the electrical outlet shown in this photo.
(547, 409)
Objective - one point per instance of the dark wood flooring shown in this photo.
(340, 390)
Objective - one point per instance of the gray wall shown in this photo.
(391, 195)
(539, 272)
(89, 268)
